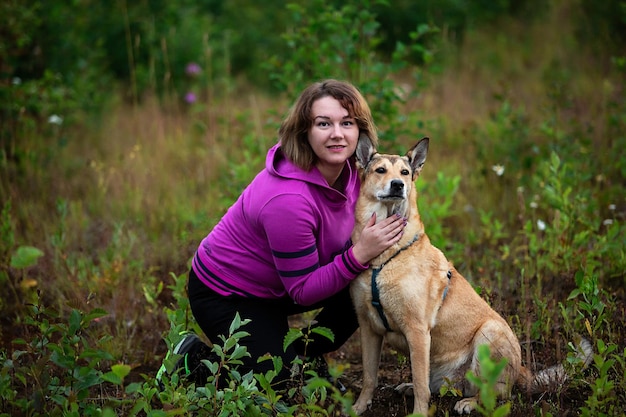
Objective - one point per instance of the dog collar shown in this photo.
(376, 293)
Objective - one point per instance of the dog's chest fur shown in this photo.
(406, 289)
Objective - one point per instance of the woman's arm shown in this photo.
(291, 227)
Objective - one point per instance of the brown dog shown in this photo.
(413, 296)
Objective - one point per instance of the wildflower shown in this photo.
(612, 207)
(535, 203)
(541, 225)
(498, 169)
(607, 222)
(190, 97)
(16, 81)
(192, 69)
(55, 120)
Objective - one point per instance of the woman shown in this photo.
(284, 246)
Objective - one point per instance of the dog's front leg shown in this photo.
(371, 345)
(419, 347)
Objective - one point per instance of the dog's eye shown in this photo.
(381, 170)
(405, 172)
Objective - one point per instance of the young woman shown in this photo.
(284, 246)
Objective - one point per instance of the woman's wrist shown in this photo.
(359, 257)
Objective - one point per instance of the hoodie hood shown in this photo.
(278, 165)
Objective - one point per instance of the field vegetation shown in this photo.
(128, 128)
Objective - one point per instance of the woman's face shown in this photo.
(333, 135)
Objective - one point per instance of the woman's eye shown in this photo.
(322, 124)
(381, 170)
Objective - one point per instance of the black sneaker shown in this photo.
(182, 348)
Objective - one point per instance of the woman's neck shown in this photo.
(332, 175)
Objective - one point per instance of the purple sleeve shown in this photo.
(291, 227)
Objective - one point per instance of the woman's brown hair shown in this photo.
(293, 132)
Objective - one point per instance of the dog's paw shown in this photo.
(360, 406)
(466, 405)
(406, 389)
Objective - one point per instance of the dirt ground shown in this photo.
(394, 370)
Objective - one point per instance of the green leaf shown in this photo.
(291, 336)
(112, 378)
(133, 388)
(237, 323)
(25, 256)
(239, 352)
(218, 350)
(503, 410)
(240, 335)
(88, 378)
(555, 161)
(75, 320)
(324, 331)
(281, 407)
(107, 412)
(121, 370)
(316, 383)
(213, 366)
(229, 344)
(96, 313)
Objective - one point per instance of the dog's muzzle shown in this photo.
(397, 187)
(396, 190)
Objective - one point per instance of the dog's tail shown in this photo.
(547, 380)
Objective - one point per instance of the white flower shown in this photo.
(541, 225)
(16, 81)
(607, 222)
(612, 207)
(498, 169)
(55, 120)
(533, 204)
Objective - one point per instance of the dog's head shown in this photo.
(386, 178)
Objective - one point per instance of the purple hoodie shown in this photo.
(288, 234)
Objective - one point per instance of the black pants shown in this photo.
(268, 324)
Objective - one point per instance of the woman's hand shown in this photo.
(376, 238)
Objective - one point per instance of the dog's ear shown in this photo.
(364, 151)
(417, 156)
